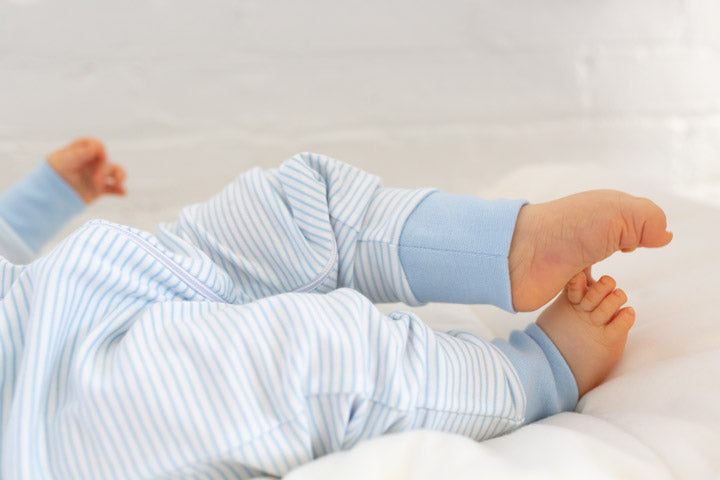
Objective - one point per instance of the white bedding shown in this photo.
(658, 413)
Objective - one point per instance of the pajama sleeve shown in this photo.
(317, 224)
(34, 210)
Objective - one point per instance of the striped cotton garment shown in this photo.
(241, 340)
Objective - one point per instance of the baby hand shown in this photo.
(84, 166)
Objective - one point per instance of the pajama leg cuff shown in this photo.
(549, 384)
(454, 248)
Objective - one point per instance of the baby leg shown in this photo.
(264, 387)
(312, 225)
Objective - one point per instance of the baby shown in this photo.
(242, 339)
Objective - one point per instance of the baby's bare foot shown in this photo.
(554, 240)
(589, 328)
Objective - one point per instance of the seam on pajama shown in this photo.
(512, 419)
(180, 272)
(430, 249)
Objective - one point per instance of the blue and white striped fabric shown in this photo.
(241, 340)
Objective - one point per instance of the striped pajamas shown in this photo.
(242, 340)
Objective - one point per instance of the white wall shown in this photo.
(187, 94)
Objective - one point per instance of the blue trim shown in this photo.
(454, 248)
(12, 247)
(39, 205)
(549, 383)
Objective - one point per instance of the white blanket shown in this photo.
(658, 413)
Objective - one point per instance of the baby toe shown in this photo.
(576, 288)
(622, 322)
(608, 307)
(597, 292)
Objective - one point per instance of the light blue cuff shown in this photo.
(12, 247)
(39, 205)
(549, 384)
(454, 248)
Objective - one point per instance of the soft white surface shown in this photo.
(657, 415)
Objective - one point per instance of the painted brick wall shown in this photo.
(189, 93)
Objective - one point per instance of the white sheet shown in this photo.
(658, 413)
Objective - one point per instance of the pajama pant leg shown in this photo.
(198, 388)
